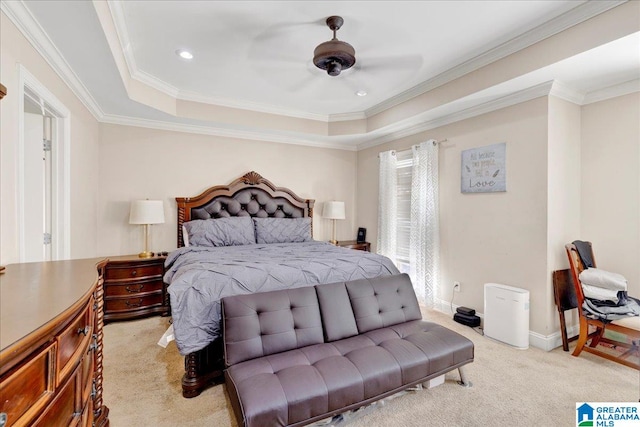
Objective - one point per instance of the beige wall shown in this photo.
(610, 201)
(572, 173)
(139, 163)
(563, 206)
(84, 147)
(490, 237)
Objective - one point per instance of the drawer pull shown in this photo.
(132, 290)
(84, 331)
(133, 304)
(134, 272)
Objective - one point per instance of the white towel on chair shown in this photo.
(600, 294)
(603, 279)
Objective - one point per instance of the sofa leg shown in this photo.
(464, 382)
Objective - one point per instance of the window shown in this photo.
(404, 167)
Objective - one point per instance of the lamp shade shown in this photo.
(146, 212)
(333, 210)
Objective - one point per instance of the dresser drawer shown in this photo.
(134, 288)
(132, 303)
(28, 387)
(86, 376)
(62, 411)
(73, 342)
(133, 270)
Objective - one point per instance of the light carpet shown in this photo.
(510, 386)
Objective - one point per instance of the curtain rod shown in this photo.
(393, 152)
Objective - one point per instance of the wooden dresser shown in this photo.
(133, 288)
(51, 319)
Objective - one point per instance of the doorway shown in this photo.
(43, 174)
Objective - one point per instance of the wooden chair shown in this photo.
(565, 297)
(629, 326)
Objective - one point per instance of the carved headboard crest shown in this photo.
(252, 178)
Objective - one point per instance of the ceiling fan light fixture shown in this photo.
(334, 55)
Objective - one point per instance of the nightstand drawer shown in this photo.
(132, 303)
(117, 272)
(133, 288)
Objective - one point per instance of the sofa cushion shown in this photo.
(383, 301)
(337, 316)
(265, 323)
(319, 380)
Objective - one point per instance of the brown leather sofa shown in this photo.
(300, 355)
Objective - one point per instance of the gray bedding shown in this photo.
(200, 276)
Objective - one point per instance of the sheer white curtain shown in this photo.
(424, 241)
(387, 205)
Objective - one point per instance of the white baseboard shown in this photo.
(543, 342)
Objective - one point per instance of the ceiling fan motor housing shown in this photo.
(334, 55)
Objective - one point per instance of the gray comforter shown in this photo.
(200, 276)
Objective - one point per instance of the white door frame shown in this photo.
(60, 162)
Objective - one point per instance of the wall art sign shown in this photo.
(484, 169)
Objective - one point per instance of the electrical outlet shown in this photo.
(456, 286)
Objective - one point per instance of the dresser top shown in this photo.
(34, 294)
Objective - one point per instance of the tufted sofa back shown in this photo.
(260, 324)
(383, 301)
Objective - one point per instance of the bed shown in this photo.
(245, 237)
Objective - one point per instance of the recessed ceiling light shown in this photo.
(361, 93)
(184, 54)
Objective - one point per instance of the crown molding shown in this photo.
(424, 122)
(26, 23)
(340, 143)
(455, 111)
(621, 89)
(516, 43)
(564, 91)
(346, 117)
(250, 106)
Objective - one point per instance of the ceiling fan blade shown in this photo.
(393, 62)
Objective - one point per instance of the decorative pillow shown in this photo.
(233, 231)
(185, 236)
(283, 230)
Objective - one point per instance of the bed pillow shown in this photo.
(185, 236)
(233, 231)
(283, 230)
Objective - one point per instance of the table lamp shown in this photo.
(333, 210)
(146, 212)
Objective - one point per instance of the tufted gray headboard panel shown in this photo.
(249, 201)
(251, 195)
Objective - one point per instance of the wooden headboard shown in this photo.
(250, 195)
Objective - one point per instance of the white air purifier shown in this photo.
(506, 314)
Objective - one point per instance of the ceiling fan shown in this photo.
(334, 55)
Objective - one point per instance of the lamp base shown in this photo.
(145, 254)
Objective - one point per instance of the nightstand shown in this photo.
(133, 288)
(352, 244)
